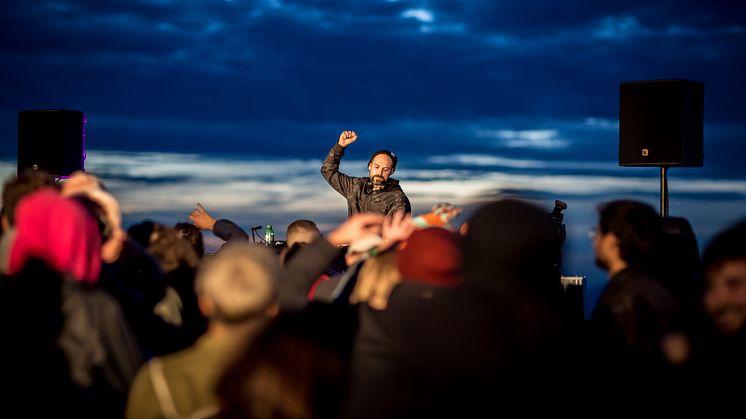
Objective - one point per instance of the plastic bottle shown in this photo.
(269, 235)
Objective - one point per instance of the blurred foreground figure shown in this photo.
(72, 347)
(723, 341)
(236, 292)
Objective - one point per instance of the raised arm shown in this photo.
(311, 261)
(330, 168)
(225, 229)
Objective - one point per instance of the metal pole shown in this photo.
(664, 192)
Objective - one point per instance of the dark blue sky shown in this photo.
(284, 77)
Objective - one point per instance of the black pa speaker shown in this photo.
(52, 140)
(661, 123)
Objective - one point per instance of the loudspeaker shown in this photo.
(52, 140)
(661, 123)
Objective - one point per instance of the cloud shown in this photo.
(421, 15)
(601, 123)
(544, 139)
(168, 182)
(620, 27)
(337, 61)
(490, 161)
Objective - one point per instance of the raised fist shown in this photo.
(347, 137)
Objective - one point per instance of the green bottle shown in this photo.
(269, 235)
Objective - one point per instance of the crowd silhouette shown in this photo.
(383, 316)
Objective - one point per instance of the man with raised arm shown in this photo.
(377, 193)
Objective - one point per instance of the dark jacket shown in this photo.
(229, 231)
(359, 190)
(65, 345)
(631, 318)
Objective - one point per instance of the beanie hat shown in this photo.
(431, 256)
(58, 231)
(391, 155)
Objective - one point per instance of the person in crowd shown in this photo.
(375, 281)
(236, 291)
(635, 316)
(299, 233)
(314, 259)
(71, 341)
(296, 368)
(379, 192)
(394, 354)
(723, 340)
(338, 287)
(104, 207)
(513, 307)
(179, 308)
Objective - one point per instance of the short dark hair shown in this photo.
(392, 156)
(636, 225)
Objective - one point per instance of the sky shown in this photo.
(235, 103)
(269, 76)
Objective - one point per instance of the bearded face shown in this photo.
(379, 169)
(725, 297)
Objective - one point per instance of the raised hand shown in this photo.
(397, 227)
(201, 218)
(346, 138)
(356, 226)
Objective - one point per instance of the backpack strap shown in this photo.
(160, 386)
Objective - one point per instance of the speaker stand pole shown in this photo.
(664, 192)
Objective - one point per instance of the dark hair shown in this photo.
(392, 156)
(140, 232)
(511, 241)
(19, 186)
(729, 244)
(290, 252)
(171, 251)
(636, 225)
(304, 356)
(193, 235)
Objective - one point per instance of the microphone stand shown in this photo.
(253, 233)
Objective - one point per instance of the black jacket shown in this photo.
(359, 190)
(633, 315)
